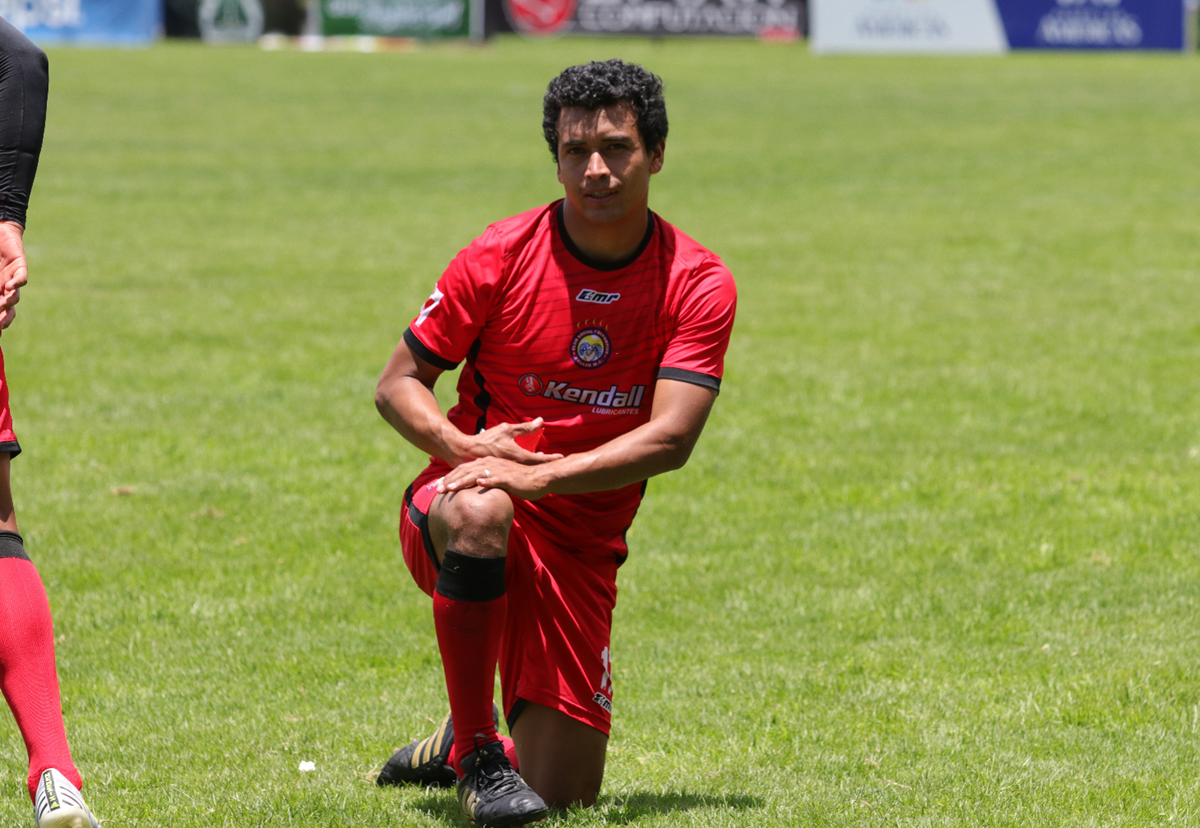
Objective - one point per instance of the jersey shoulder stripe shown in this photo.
(418, 348)
(693, 377)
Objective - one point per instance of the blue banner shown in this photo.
(96, 22)
(1093, 24)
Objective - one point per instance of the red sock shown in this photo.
(510, 750)
(468, 635)
(469, 610)
(27, 673)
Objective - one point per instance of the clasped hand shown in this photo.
(494, 459)
(14, 272)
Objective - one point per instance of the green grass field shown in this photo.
(934, 562)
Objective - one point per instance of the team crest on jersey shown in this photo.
(530, 385)
(591, 348)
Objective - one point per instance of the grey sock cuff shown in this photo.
(12, 545)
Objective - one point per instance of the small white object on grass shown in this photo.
(305, 767)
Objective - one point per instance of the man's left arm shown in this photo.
(663, 444)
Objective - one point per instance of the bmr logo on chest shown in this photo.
(596, 297)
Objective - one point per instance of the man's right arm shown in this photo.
(24, 82)
(404, 397)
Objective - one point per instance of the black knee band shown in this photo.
(466, 578)
(12, 545)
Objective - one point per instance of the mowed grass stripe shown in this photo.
(933, 562)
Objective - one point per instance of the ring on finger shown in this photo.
(487, 473)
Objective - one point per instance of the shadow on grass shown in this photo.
(442, 807)
(626, 808)
(612, 810)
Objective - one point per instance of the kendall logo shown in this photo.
(596, 297)
(612, 398)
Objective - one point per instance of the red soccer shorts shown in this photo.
(560, 602)
(8, 439)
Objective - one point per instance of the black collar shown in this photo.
(595, 264)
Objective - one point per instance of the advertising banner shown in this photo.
(656, 18)
(94, 22)
(906, 26)
(993, 26)
(1094, 24)
(395, 18)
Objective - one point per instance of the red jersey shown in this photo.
(547, 332)
(8, 439)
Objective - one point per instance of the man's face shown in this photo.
(602, 162)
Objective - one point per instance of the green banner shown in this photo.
(395, 18)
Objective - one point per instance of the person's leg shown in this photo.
(27, 672)
(469, 530)
(556, 667)
(429, 761)
(562, 758)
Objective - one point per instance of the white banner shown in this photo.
(906, 26)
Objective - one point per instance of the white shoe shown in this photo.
(59, 804)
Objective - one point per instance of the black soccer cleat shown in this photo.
(423, 762)
(491, 793)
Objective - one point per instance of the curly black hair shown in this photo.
(604, 83)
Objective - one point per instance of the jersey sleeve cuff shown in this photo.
(12, 213)
(417, 347)
(694, 377)
(12, 447)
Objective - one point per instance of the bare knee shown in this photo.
(562, 759)
(472, 522)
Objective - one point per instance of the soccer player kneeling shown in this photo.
(594, 335)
